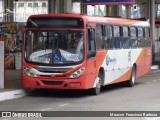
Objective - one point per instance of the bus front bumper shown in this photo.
(78, 83)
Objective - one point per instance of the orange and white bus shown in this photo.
(76, 51)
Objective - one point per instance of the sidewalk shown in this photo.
(13, 88)
(8, 94)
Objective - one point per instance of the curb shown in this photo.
(7, 95)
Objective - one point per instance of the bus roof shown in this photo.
(98, 19)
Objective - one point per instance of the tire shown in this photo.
(97, 89)
(28, 91)
(131, 81)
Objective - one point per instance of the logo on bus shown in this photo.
(52, 75)
(57, 57)
(110, 60)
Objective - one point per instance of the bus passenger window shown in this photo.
(125, 40)
(117, 37)
(99, 37)
(117, 43)
(109, 37)
(133, 37)
(147, 38)
(91, 49)
(140, 37)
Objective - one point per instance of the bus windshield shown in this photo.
(54, 47)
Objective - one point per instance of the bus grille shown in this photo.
(52, 82)
(53, 70)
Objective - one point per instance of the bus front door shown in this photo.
(91, 57)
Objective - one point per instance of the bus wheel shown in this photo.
(28, 91)
(97, 89)
(131, 81)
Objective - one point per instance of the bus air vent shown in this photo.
(52, 82)
(53, 70)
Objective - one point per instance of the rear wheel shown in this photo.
(96, 90)
(131, 81)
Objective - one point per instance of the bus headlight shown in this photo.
(29, 72)
(77, 73)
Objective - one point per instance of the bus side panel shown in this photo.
(113, 75)
(123, 62)
(124, 77)
(117, 66)
(123, 59)
(93, 66)
(90, 72)
(108, 65)
(123, 74)
(139, 61)
(148, 59)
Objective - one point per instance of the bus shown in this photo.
(80, 52)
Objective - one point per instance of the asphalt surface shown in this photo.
(144, 96)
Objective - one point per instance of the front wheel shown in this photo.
(96, 90)
(29, 91)
(131, 81)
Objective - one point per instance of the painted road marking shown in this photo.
(6, 119)
(153, 118)
(46, 109)
(62, 105)
(147, 82)
(152, 81)
(151, 75)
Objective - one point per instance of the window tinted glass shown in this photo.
(133, 37)
(125, 31)
(147, 42)
(133, 32)
(91, 47)
(116, 31)
(140, 32)
(133, 42)
(108, 31)
(126, 43)
(147, 37)
(117, 38)
(99, 37)
(55, 22)
(147, 32)
(109, 38)
(54, 47)
(140, 38)
(125, 40)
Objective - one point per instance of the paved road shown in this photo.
(144, 96)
